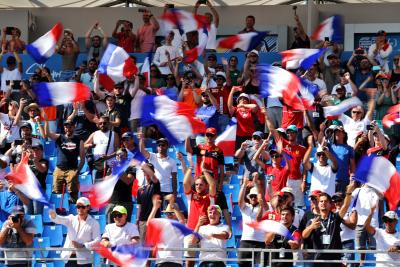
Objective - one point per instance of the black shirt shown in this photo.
(67, 152)
(123, 103)
(113, 115)
(122, 192)
(282, 242)
(145, 195)
(300, 43)
(83, 127)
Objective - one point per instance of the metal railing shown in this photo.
(266, 255)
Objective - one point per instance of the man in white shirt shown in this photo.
(214, 236)
(83, 232)
(164, 52)
(381, 50)
(121, 232)
(213, 22)
(387, 239)
(165, 167)
(12, 72)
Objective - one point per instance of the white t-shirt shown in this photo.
(382, 57)
(273, 102)
(298, 215)
(347, 233)
(347, 86)
(212, 37)
(120, 235)
(160, 57)
(249, 214)
(7, 75)
(384, 241)
(320, 83)
(163, 168)
(213, 242)
(136, 104)
(366, 199)
(3, 172)
(323, 178)
(11, 134)
(353, 127)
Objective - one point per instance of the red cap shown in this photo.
(211, 130)
(315, 193)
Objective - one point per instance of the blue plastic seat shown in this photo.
(236, 179)
(49, 149)
(232, 189)
(101, 219)
(45, 214)
(52, 164)
(37, 221)
(54, 232)
(85, 179)
(237, 226)
(72, 209)
(229, 160)
(236, 211)
(41, 242)
(55, 254)
(49, 179)
(44, 264)
(49, 190)
(230, 243)
(56, 200)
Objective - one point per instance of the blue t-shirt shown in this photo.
(343, 154)
(8, 200)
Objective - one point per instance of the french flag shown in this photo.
(333, 111)
(270, 226)
(161, 231)
(60, 93)
(244, 41)
(379, 173)
(44, 47)
(330, 28)
(308, 92)
(145, 70)
(124, 255)
(277, 82)
(193, 54)
(184, 21)
(100, 193)
(176, 120)
(25, 181)
(392, 117)
(300, 58)
(226, 140)
(117, 65)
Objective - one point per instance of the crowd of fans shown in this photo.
(296, 167)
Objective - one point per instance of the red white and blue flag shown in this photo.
(176, 120)
(117, 65)
(145, 71)
(308, 92)
(392, 117)
(244, 41)
(381, 174)
(270, 226)
(60, 93)
(193, 54)
(300, 58)
(331, 28)
(25, 181)
(124, 255)
(277, 82)
(182, 20)
(226, 140)
(44, 47)
(333, 111)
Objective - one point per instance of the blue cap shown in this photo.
(258, 133)
(292, 128)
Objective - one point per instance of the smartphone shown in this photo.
(370, 127)
(202, 2)
(16, 85)
(326, 39)
(18, 142)
(8, 82)
(359, 51)
(9, 30)
(376, 68)
(170, 6)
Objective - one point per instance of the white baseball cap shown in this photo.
(84, 201)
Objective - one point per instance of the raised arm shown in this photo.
(371, 107)
(332, 158)
(347, 200)
(214, 12)
(306, 159)
(256, 156)
(115, 31)
(187, 181)
(211, 182)
(242, 194)
(231, 108)
(367, 225)
(300, 28)
(96, 85)
(188, 146)
(142, 147)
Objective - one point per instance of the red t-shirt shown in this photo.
(222, 94)
(271, 215)
(126, 42)
(297, 153)
(291, 116)
(279, 180)
(245, 121)
(213, 157)
(198, 205)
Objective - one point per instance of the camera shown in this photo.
(370, 127)
(16, 85)
(359, 51)
(15, 218)
(170, 5)
(142, 10)
(202, 2)
(9, 30)
(18, 142)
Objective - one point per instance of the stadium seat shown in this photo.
(230, 243)
(49, 179)
(48, 190)
(41, 242)
(229, 160)
(54, 232)
(56, 200)
(232, 189)
(85, 179)
(101, 219)
(55, 254)
(180, 175)
(237, 226)
(45, 214)
(236, 211)
(37, 220)
(232, 254)
(52, 164)
(49, 149)
(72, 209)
(236, 179)
(44, 264)
(172, 153)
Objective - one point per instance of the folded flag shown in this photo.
(270, 226)
(182, 20)
(300, 58)
(25, 181)
(330, 28)
(277, 82)
(226, 140)
(116, 64)
(244, 41)
(332, 111)
(60, 93)
(308, 92)
(381, 174)
(392, 117)
(193, 54)
(44, 47)
(124, 255)
(100, 193)
(176, 120)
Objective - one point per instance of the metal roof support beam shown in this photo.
(126, 2)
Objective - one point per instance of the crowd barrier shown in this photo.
(264, 260)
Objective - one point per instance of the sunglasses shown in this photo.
(204, 95)
(161, 144)
(80, 207)
(320, 154)
(388, 220)
(256, 138)
(210, 135)
(252, 196)
(275, 156)
(118, 215)
(356, 112)
(169, 213)
(396, 59)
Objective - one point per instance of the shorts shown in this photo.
(363, 238)
(187, 244)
